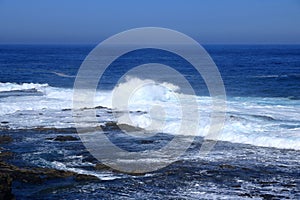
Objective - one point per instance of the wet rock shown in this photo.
(37, 175)
(129, 128)
(100, 107)
(289, 185)
(269, 196)
(103, 167)
(110, 125)
(268, 182)
(84, 177)
(63, 138)
(226, 166)
(52, 129)
(245, 195)
(100, 166)
(236, 186)
(97, 107)
(66, 109)
(147, 141)
(115, 126)
(5, 155)
(5, 139)
(5, 187)
(138, 112)
(89, 159)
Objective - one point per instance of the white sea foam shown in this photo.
(23, 86)
(63, 75)
(269, 122)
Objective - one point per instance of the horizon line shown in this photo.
(90, 44)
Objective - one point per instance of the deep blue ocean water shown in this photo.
(247, 70)
(257, 156)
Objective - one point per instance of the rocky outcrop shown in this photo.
(115, 126)
(39, 174)
(5, 139)
(5, 187)
(35, 175)
(103, 167)
(63, 138)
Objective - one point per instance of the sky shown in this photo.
(92, 21)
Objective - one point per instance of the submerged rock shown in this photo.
(5, 139)
(5, 154)
(53, 129)
(63, 138)
(226, 166)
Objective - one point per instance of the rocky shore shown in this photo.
(10, 173)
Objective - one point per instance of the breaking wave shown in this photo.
(268, 122)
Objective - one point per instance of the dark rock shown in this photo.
(37, 175)
(115, 126)
(100, 107)
(147, 141)
(138, 111)
(63, 138)
(4, 122)
(5, 187)
(236, 186)
(97, 107)
(90, 159)
(5, 139)
(84, 177)
(66, 109)
(112, 125)
(245, 195)
(5, 155)
(267, 182)
(268, 196)
(289, 185)
(129, 128)
(100, 166)
(60, 130)
(226, 166)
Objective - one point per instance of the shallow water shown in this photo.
(230, 170)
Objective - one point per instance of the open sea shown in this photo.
(257, 155)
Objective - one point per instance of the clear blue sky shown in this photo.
(208, 21)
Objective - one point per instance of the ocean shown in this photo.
(257, 154)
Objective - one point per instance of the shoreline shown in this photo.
(235, 170)
(37, 175)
